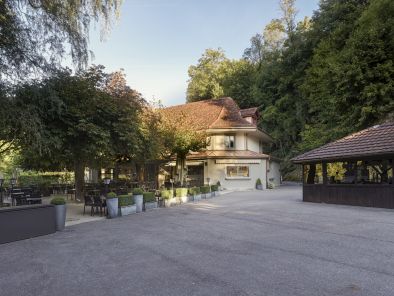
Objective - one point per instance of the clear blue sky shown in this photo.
(155, 41)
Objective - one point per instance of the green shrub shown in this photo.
(205, 189)
(58, 201)
(270, 185)
(111, 195)
(167, 194)
(125, 200)
(137, 191)
(218, 183)
(258, 181)
(179, 192)
(194, 191)
(149, 197)
(214, 188)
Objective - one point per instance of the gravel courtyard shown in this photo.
(242, 243)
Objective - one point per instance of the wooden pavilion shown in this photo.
(355, 170)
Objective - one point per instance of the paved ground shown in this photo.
(243, 243)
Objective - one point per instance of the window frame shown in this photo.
(238, 176)
(229, 141)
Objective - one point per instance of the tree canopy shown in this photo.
(37, 34)
(87, 119)
(313, 81)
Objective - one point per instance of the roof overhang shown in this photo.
(253, 131)
(344, 158)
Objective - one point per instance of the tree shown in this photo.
(180, 139)
(82, 120)
(34, 34)
(217, 76)
(205, 78)
(348, 84)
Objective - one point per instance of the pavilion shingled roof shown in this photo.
(374, 141)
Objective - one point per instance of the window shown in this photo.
(236, 171)
(229, 141)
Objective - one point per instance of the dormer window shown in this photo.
(229, 141)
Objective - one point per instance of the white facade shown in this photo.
(235, 155)
(226, 160)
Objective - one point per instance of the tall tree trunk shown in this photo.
(140, 172)
(79, 174)
(180, 165)
(115, 175)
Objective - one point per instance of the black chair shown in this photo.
(89, 202)
(98, 204)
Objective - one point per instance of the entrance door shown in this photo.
(195, 174)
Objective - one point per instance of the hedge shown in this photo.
(194, 191)
(205, 189)
(137, 191)
(125, 200)
(57, 201)
(214, 188)
(179, 192)
(167, 194)
(111, 195)
(149, 197)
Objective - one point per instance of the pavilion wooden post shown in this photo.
(311, 174)
(324, 169)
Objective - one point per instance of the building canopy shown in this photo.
(371, 142)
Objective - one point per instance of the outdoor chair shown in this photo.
(89, 202)
(98, 204)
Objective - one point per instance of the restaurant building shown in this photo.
(355, 170)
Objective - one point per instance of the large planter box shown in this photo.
(112, 207)
(150, 206)
(259, 187)
(197, 197)
(190, 198)
(215, 193)
(206, 195)
(170, 202)
(124, 211)
(26, 222)
(60, 211)
(183, 199)
(139, 201)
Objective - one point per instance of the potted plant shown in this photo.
(205, 191)
(181, 194)
(60, 212)
(112, 205)
(215, 190)
(219, 185)
(259, 186)
(149, 200)
(195, 193)
(126, 205)
(168, 197)
(138, 198)
(270, 185)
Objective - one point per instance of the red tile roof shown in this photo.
(226, 154)
(250, 112)
(374, 141)
(208, 114)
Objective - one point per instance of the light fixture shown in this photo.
(107, 181)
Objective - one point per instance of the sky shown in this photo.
(155, 41)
